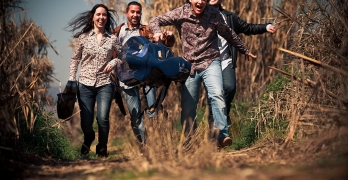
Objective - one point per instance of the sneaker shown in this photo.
(87, 144)
(102, 151)
(224, 142)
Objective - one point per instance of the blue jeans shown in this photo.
(190, 93)
(132, 98)
(87, 97)
(229, 84)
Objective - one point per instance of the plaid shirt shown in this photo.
(94, 58)
(199, 35)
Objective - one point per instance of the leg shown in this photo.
(151, 99)
(132, 98)
(229, 82)
(104, 99)
(189, 99)
(212, 78)
(86, 96)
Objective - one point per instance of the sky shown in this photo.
(53, 16)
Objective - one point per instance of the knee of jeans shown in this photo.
(229, 87)
(103, 122)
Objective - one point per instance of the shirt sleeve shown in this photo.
(75, 60)
(166, 19)
(116, 46)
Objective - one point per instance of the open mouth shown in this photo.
(199, 7)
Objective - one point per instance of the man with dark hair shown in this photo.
(131, 28)
(199, 26)
(228, 53)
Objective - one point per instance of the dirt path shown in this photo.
(330, 161)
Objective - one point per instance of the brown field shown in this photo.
(309, 49)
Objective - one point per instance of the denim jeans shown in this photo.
(87, 97)
(229, 84)
(133, 101)
(190, 93)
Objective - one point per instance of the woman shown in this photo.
(93, 51)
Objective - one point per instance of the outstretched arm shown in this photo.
(166, 19)
(240, 26)
(232, 38)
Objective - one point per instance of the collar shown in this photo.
(106, 33)
(206, 13)
(129, 29)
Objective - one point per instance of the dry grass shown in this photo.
(309, 48)
(313, 103)
(25, 70)
(164, 149)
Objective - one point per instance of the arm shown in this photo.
(75, 60)
(247, 28)
(116, 48)
(250, 29)
(231, 37)
(166, 19)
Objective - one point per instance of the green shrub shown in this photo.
(243, 130)
(247, 135)
(277, 84)
(46, 139)
(245, 126)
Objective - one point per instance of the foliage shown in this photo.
(25, 71)
(46, 138)
(246, 136)
(278, 84)
(247, 128)
(317, 96)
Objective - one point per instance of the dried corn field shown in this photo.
(25, 72)
(308, 51)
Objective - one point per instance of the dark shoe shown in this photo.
(87, 144)
(224, 142)
(102, 151)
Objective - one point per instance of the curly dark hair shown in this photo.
(85, 20)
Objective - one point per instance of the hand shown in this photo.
(107, 69)
(249, 55)
(157, 37)
(272, 29)
(168, 34)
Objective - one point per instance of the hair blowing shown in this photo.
(85, 21)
